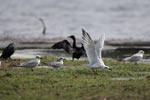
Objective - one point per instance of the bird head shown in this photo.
(106, 68)
(72, 36)
(61, 59)
(141, 51)
(38, 57)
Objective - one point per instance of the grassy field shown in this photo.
(77, 83)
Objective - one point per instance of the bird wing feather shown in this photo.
(89, 46)
(99, 45)
(31, 63)
(56, 64)
(8, 51)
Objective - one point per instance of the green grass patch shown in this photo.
(78, 83)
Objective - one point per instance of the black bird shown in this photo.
(78, 51)
(64, 44)
(8, 51)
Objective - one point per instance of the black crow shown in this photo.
(8, 51)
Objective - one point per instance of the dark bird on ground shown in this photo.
(78, 51)
(8, 51)
(64, 44)
(44, 26)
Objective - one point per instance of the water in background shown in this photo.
(119, 19)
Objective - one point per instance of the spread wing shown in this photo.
(100, 45)
(89, 46)
(58, 45)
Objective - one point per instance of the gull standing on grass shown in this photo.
(136, 57)
(93, 51)
(58, 64)
(31, 64)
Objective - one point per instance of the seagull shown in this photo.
(136, 57)
(93, 51)
(58, 64)
(8, 51)
(31, 64)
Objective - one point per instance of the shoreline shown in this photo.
(116, 48)
(47, 42)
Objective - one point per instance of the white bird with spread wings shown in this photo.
(93, 51)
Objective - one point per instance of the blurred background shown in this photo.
(118, 19)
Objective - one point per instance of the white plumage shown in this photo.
(58, 64)
(31, 64)
(136, 57)
(94, 50)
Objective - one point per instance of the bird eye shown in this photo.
(105, 68)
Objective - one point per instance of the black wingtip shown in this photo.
(86, 33)
(83, 32)
(40, 19)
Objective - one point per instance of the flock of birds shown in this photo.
(88, 46)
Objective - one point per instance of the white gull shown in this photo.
(135, 57)
(58, 64)
(93, 51)
(31, 64)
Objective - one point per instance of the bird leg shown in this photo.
(136, 63)
(32, 69)
(72, 59)
(94, 70)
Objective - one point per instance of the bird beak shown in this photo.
(41, 57)
(110, 69)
